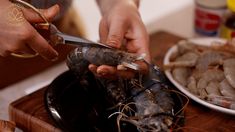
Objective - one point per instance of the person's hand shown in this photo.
(121, 22)
(17, 35)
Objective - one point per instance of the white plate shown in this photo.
(200, 41)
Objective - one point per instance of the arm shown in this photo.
(105, 5)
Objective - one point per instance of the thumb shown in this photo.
(33, 17)
(116, 34)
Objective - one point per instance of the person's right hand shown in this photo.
(17, 35)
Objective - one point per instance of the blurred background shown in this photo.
(169, 15)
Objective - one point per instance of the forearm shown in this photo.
(106, 5)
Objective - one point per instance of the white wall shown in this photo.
(171, 15)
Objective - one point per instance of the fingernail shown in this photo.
(111, 43)
(121, 68)
(56, 54)
(114, 42)
(101, 72)
(56, 6)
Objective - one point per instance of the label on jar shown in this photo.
(227, 33)
(207, 21)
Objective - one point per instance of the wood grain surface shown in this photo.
(29, 113)
(7, 126)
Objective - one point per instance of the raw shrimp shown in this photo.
(185, 46)
(229, 47)
(192, 85)
(213, 88)
(145, 95)
(188, 59)
(181, 74)
(229, 71)
(208, 76)
(154, 105)
(212, 69)
(222, 101)
(226, 89)
(81, 57)
(208, 58)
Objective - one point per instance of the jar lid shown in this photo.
(212, 3)
(231, 5)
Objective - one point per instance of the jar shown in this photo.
(208, 16)
(228, 27)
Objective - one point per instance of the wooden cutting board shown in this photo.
(29, 112)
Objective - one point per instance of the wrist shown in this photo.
(137, 3)
(106, 5)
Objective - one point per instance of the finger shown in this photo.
(130, 73)
(138, 42)
(33, 17)
(103, 31)
(4, 53)
(106, 70)
(16, 47)
(143, 67)
(93, 69)
(110, 72)
(41, 46)
(139, 47)
(26, 50)
(116, 34)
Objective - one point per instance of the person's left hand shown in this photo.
(121, 22)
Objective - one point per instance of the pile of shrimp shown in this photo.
(206, 71)
(145, 101)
